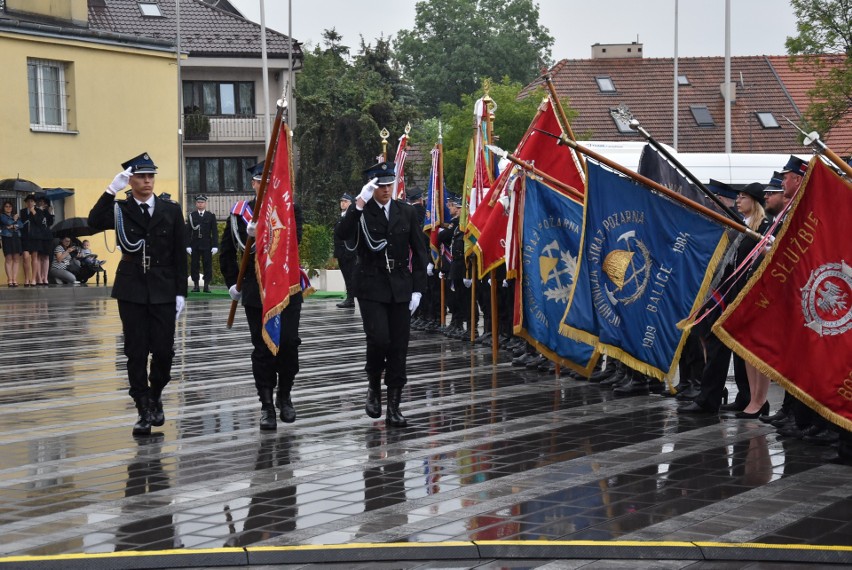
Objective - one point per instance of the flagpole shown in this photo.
(661, 189)
(261, 192)
(813, 138)
(489, 130)
(439, 209)
(634, 124)
(541, 174)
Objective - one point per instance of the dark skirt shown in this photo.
(12, 245)
(42, 246)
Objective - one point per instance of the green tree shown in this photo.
(824, 43)
(457, 43)
(512, 117)
(343, 104)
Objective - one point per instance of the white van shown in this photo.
(735, 168)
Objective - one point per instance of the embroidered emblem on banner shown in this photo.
(827, 299)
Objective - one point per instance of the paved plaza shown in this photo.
(495, 459)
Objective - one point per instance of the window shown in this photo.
(219, 98)
(216, 175)
(47, 95)
(605, 84)
(682, 80)
(702, 115)
(767, 121)
(149, 9)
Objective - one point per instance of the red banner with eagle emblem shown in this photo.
(277, 247)
(793, 319)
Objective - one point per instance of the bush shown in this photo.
(316, 248)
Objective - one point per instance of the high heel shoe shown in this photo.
(764, 410)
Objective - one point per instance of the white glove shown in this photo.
(367, 192)
(251, 229)
(214, 250)
(467, 282)
(180, 303)
(489, 282)
(505, 283)
(415, 302)
(430, 270)
(235, 294)
(440, 275)
(189, 250)
(120, 182)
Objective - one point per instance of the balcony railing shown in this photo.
(238, 128)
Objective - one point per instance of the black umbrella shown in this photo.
(73, 227)
(19, 185)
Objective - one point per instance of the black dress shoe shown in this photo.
(764, 409)
(791, 430)
(694, 408)
(631, 387)
(267, 417)
(823, 436)
(158, 417)
(288, 412)
(346, 304)
(778, 416)
(734, 407)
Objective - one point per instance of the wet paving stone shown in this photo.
(492, 452)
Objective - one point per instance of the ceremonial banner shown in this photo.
(550, 230)
(655, 166)
(646, 263)
(276, 244)
(398, 192)
(793, 319)
(436, 206)
(488, 227)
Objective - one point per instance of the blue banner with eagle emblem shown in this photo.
(550, 233)
(646, 263)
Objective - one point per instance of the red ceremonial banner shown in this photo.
(793, 319)
(277, 247)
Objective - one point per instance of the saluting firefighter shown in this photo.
(269, 370)
(202, 234)
(390, 278)
(150, 281)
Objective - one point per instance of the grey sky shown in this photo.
(758, 27)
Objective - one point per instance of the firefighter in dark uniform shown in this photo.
(150, 281)
(344, 253)
(202, 234)
(390, 279)
(453, 238)
(269, 370)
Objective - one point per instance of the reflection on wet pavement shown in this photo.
(491, 453)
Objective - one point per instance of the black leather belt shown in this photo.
(146, 262)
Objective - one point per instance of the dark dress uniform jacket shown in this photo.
(165, 238)
(207, 234)
(373, 281)
(230, 256)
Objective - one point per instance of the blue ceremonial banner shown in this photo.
(550, 233)
(646, 263)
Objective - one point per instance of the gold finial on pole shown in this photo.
(384, 133)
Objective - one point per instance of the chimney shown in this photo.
(612, 51)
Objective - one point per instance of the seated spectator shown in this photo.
(59, 266)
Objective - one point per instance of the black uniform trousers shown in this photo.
(347, 268)
(279, 369)
(388, 327)
(205, 257)
(148, 329)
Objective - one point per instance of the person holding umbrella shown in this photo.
(27, 214)
(10, 230)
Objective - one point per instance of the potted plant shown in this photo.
(196, 127)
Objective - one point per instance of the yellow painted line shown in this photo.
(421, 545)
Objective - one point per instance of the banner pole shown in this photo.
(261, 192)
